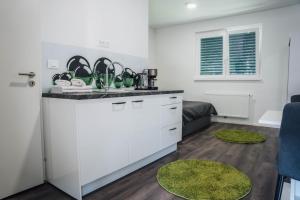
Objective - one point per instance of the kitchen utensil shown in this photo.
(141, 81)
(152, 74)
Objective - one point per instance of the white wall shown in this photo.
(152, 48)
(175, 56)
(75, 27)
(122, 23)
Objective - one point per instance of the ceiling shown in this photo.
(170, 12)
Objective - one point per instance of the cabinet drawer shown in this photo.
(171, 114)
(171, 99)
(171, 135)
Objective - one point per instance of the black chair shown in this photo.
(288, 160)
(295, 98)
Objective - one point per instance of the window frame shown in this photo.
(208, 34)
(257, 28)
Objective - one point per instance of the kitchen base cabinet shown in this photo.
(145, 132)
(102, 138)
(171, 134)
(90, 143)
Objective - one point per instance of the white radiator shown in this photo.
(230, 104)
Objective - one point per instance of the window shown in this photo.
(212, 56)
(229, 54)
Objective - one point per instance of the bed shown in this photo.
(196, 116)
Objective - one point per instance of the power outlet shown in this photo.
(103, 44)
(53, 64)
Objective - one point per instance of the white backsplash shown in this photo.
(63, 53)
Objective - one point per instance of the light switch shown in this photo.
(53, 64)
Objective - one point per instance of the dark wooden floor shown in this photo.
(257, 161)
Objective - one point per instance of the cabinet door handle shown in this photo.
(138, 101)
(173, 97)
(172, 129)
(119, 103)
(174, 108)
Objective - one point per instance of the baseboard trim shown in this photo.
(90, 187)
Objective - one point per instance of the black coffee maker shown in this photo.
(146, 80)
(152, 74)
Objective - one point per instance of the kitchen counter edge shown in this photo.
(102, 95)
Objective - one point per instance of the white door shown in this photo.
(20, 135)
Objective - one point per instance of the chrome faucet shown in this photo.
(107, 85)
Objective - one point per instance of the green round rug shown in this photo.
(203, 180)
(240, 136)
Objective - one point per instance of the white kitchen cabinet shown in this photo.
(171, 114)
(145, 132)
(103, 138)
(90, 143)
(171, 134)
(171, 99)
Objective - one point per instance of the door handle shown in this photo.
(172, 129)
(30, 74)
(174, 108)
(173, 97)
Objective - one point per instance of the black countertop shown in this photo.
(110, 94)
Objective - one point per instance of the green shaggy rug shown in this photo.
(240, 136)
(203, 180)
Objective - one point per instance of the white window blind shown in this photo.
(229, 54)
(242, 53)
(211, 56)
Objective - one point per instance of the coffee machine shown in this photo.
(152, 74)
(146, 80)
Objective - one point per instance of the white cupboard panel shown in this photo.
(171, 114)
(103, 138)
(61, 150)
(145, 128)
(171, 99)
(171, 135)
